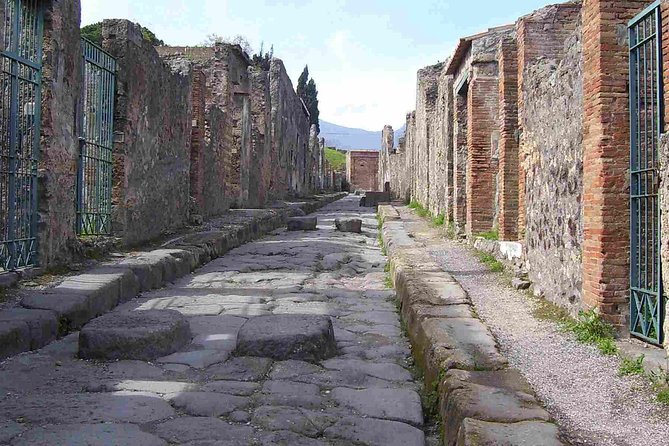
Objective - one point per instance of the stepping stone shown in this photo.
(302, 223)
(349, 225)
(143, 335)
(288, 336)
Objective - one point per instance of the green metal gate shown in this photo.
(646, 125)
(20, 103)
(94, 179)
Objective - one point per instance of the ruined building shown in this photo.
(362, 169)
(131, 141)
(541, 133)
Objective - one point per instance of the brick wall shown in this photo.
(606, 155)
(508, 146)
(362, 170)
(460, 158)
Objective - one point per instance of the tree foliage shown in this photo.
(263, 59)
(93, 33)
(307, 91)
(213, 39)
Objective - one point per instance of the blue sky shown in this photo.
(363, 54)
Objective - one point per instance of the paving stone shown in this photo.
(348, 225)
(142, 335)
(177, 368)
(43, 324)
(72, 310)
(239, 388)
(390, 404)
(10, 429)
(279, 418)
(211, 325)
(290, 336)
(375, 317)
(131, 369)
(244, 368)
(286, 393)
(302, 223)
(207, 404)
(159, 387)
(291, 368)
(191, 429)
(530, 433)
(386, 371)
(88, 435)
(372, 432)
(287, 438)
(14, 338)
(198, 359)
(116, 407)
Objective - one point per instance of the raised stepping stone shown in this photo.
(536, 433)
(288, 336)
(14, 338)
(348, 225)
(143, 335)
(302, 223)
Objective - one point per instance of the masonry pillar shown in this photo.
(606, 156)
(482, 111)
(460, 157)
(197, 143)
(508, 145)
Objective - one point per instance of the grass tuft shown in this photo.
(663, 397)
(630, 366)
(590, 328)
(388, 281)
(419, 208)
(489, 235)
(439, 220)
(490, 261)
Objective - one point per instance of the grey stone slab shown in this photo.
(131, 369)
(348, 225)
(116, 407)
(144, 335)
(159, 387)
(386, 371)
(290, 336)
(146, 269)
(104, 286)
(223, 324)
(278, 418)
(43, 324)
(524, 433)
(239, 388)
(302, 223)
(285, 370)
(390, 404)
(287, 438)
(198, 359)
(73, 310)
(372, 432)
(207, 404)
(88, 435)
(286, 393)
(191, 429)
(10, 429)
(244, 368)
(14, 338)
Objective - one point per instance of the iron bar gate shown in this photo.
(94, 176)
(20, 106)
(646, 125)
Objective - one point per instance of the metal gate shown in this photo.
(94, 176)
(646, 125)
(20, 100)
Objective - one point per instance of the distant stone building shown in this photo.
(362, 169)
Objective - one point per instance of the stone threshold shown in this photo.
(46, 315)
(481, 400)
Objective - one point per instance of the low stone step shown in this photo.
(348, 225)
(302, 223)
(288, 336)
(142, 335)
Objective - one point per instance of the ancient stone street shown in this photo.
(206, 393)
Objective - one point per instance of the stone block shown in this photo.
(14, 338)
(103, 286)
(520, 284)
(142, 335)
(288, 336)
(147, 270)
(349, 225)
(72, 310)
(483, 433)
(43, 324)
(302, 223)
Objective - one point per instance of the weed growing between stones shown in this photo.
(489, 235)
(386, 269)
(419, 208)
(630, 366)
(590, 328)
(490, 261)
(388, 281)
(438, 220)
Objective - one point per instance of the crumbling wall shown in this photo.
(258, 164)
(59, 148)
(362, 169)
(426, 104)
(152, 125)
(552, 117)
(441, 170)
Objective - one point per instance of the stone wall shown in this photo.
(426, 103)
(362, 170)
(57, 168)
(152, 126)
(552, 115)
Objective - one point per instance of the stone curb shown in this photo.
(479, 395)
(68, 306)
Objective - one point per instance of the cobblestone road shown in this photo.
(206, 395)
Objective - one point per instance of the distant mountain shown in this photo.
(351, 139)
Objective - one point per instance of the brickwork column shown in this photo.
(606, 156)
(508, 146)
(482, 110)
